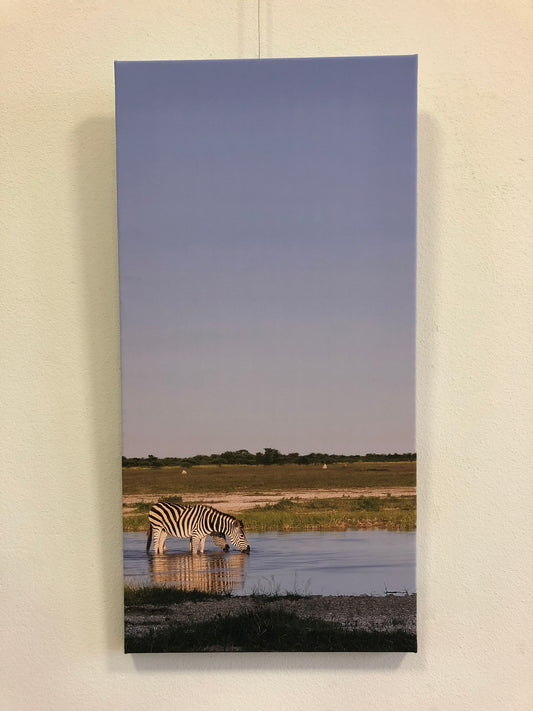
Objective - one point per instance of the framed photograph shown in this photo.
(267, 248)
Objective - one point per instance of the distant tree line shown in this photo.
(268, 456)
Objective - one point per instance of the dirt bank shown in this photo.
(242, 501)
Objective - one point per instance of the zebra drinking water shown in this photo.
(195, 523)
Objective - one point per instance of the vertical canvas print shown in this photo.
(267, 248)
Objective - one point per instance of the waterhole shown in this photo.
(370, 562)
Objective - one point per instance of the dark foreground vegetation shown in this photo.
(262, 623)
(260, 479)
(267, 457)
(267, 630)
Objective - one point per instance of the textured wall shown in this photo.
(60, 431)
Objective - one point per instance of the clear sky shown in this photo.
(267, 214)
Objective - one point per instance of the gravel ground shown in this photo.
(362, 612)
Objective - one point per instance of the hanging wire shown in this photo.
(259, 28)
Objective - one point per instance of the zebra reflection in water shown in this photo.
(211, 572)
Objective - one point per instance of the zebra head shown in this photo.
(237, 537)
(220, 541)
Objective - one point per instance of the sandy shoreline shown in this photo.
(242, 501)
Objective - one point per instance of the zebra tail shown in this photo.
(149, 539)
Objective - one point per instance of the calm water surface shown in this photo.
(311, 562)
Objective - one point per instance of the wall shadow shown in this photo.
(429, 238)
(94, 146)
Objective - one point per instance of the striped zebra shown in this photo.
(195, 523)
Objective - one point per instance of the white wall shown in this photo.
(60, 430)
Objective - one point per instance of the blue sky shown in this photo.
(267, 254)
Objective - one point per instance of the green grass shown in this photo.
(390, 512)
(267, 630)
(260, 479)
(135, 595)
(135, 522)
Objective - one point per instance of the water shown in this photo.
(313, 563)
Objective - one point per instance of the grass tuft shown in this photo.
(135, 595)
(392, 513)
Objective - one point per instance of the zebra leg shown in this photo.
(155, 537)
(149, 538)
(159, 540)
(195, 540)
(162, 546)
(202, 544)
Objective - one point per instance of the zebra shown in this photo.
(195, 523)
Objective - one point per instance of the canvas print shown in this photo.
(267, 248)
